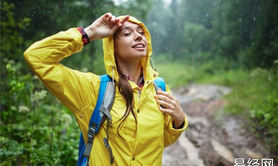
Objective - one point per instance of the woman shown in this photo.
(143, 121)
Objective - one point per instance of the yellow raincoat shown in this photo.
(79, 91)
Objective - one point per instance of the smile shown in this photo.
(139, 47)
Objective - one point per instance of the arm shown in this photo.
(71, 87)
(175, 121)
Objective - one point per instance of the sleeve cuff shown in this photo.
(178, 130)
(77, 37)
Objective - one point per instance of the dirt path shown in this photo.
(213, 138)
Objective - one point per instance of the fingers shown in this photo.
(113, 19)
(166, 111)
(166, 98)
(106, 15)
(168, 103)
(124, 20)
(108, 24)
(117, 20)
(110, 18)
(165, 104)
(166, 94)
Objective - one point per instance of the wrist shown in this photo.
(90, 33)
(85, 37)
(178, 123)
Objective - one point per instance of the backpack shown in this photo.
(101, 112)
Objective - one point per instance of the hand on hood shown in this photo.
(105, 26)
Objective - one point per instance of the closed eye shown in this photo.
(141, 32)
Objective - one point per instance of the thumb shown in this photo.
(115, 28)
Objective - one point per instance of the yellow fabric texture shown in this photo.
(142, 144)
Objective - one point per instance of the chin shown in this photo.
(141, 56)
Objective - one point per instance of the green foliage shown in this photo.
(136, 8)
(30, 131)
(195, 37)
(10, 38)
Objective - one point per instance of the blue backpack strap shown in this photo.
(95, 118)
(84, 151)
(82, 146)
(160, 84)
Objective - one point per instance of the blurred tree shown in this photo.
(244, 32)
(264, 44)
(172, 26)
(11, 49)
(197, 25)
(165, 26)
(156, 21)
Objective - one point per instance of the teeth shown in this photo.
(139, 46)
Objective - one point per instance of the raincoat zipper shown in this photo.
(139, 93)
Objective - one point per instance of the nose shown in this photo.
(138, 37)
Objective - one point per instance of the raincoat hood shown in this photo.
(109, 58)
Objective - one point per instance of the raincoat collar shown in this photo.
(109, 59)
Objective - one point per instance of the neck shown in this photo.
(132, 69)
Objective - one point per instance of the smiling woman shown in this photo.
(140, 114)
(130, 43)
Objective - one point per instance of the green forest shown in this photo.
(232, 43)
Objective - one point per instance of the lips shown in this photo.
(138, 46)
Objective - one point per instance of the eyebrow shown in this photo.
(128, 27)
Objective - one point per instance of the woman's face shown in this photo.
(130, 42)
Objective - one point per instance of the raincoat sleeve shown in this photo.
(70, 86)
(170, 133)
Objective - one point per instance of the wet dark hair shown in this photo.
(126, 91)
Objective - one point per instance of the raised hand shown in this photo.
(105, 26)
